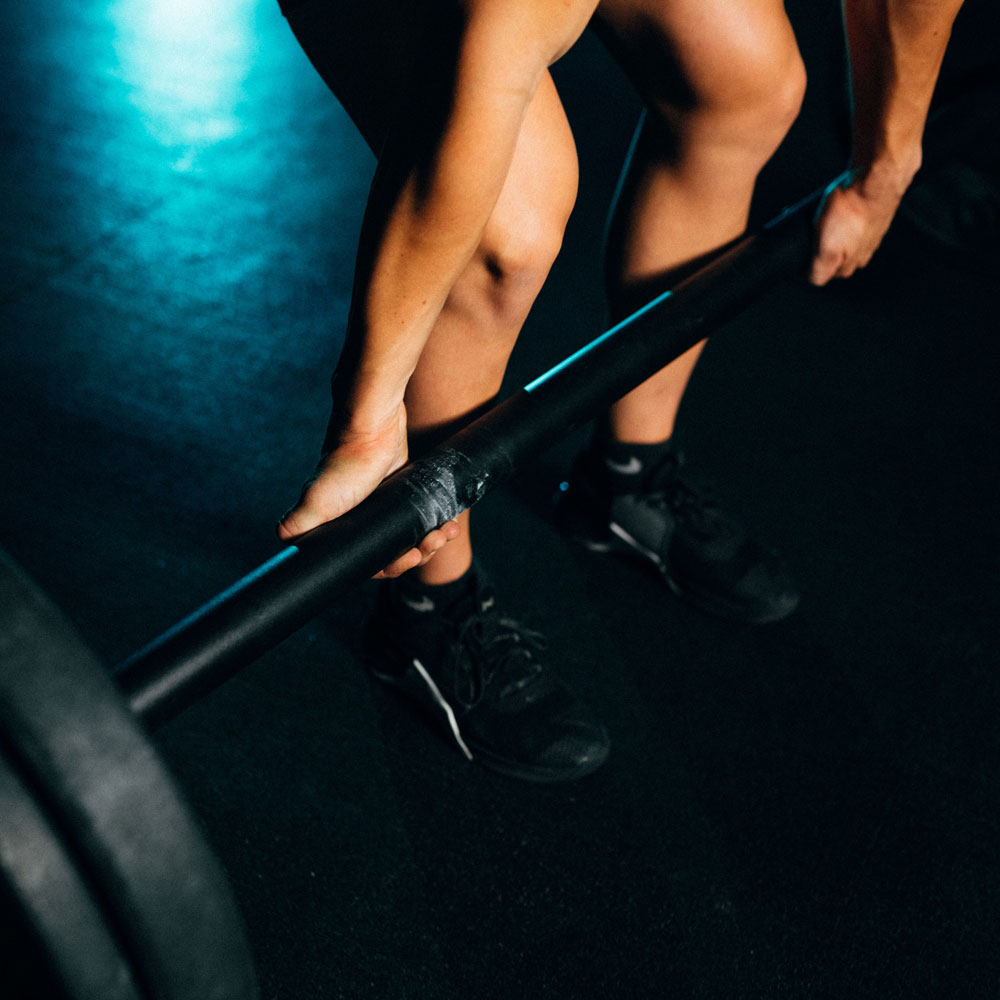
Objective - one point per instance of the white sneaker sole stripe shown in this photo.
(445, 707)
(618, 530)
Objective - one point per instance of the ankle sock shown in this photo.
(440, 597)
(625, 463)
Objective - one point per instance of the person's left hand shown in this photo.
(347, 474)
(853, 220)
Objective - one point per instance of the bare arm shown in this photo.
(439, 212)
(896, 50)
(437, 185)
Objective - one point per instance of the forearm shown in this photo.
(420, 238)
(896, 50)
(439, 187)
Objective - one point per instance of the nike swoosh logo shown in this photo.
(629, 468)
(424, 604)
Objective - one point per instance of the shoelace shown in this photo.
(492, 648)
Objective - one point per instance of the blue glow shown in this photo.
(587, 348)
(184, 63)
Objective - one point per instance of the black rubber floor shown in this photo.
(805, 810)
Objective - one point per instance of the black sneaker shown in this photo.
(635, 500)
(477, 675)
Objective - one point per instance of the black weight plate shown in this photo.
(71, 735)
(57, 940)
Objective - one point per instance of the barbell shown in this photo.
(106, 883)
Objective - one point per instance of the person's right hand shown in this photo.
(346, 476)
(855, 217)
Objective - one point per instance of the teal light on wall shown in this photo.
(184, 63)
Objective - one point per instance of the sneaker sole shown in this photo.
(620, 542)
(417, 686)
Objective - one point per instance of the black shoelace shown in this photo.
(491, 650)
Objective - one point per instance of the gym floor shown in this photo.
(808, 809)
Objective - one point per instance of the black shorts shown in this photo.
(366, 52)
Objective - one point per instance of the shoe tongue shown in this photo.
(474, 601)
(467, 605)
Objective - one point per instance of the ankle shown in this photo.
(446, 567)
(624, 466)
(649, 423)
(618, 451)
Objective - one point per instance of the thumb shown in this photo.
(826, 262)
(341, 482)
(302, 516)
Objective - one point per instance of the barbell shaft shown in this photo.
(280, 596)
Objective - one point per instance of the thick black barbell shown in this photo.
(280, 596)
(103, 871)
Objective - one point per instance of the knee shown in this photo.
(517, 252)
(774, 105)
(741, 91)
(524, 233)
(521, 242)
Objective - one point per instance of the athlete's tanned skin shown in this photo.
(468, 210)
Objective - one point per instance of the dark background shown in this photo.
(804, 810)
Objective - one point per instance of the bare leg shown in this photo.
(464, 360)
(722, 80)
(715, 119)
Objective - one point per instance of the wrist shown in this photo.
(888, 175)
(890, 151)
(366, 428)
(365, 407)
